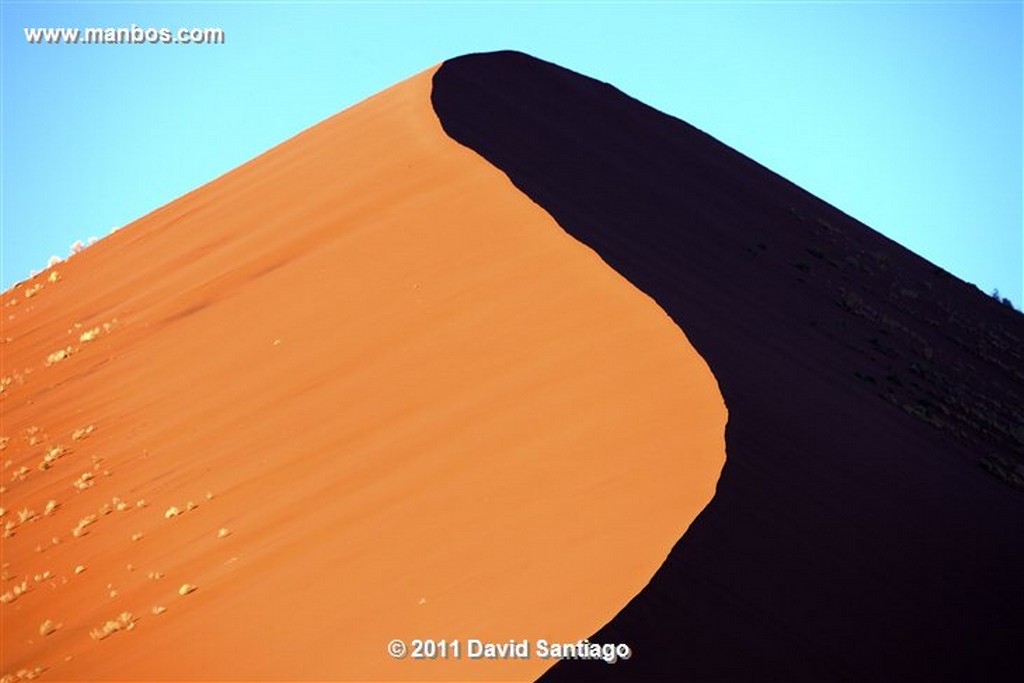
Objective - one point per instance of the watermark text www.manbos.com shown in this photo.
(125, 35)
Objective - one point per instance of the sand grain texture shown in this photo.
(867, 524)
(420, 408)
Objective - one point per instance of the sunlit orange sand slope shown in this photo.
(358, 389)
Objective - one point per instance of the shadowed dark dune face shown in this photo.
(867, 525)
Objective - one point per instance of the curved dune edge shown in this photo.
(415, 406)
(853, 535)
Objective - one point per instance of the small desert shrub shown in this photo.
(174, 510)
(86, 521)
(1003, 300)
(84, 481)
(59, 355)
(14, 593)
(1002, 467)
(864, 376)
(123, 622)
(82, 433)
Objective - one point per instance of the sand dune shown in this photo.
(857, 532)
(358, 389)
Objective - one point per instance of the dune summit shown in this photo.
(358, 389)
(867, 524)
(455, 363)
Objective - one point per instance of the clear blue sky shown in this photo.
(905, 115)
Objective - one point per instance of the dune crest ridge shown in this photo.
(359, 388)
(866, 526)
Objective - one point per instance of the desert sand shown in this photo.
(360, 388)
(867, 524)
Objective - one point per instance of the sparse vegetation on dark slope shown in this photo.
(867, 525)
